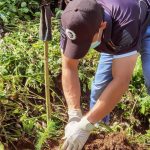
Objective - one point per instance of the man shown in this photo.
(115, 28)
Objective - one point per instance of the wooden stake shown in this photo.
(47, 82)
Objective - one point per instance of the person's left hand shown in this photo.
(75, 116)
(79, 135)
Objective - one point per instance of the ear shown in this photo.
(103, 25)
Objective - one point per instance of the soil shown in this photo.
(53, 145)
(114, 141)
(21, 144)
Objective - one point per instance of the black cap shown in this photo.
(81, 20)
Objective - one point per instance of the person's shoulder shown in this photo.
(118, 4)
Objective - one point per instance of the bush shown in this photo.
(12, 10)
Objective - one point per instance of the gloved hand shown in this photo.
(75, 116)
(78, 136)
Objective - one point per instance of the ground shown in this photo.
(113, 141)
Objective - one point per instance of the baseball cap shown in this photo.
(81, 20)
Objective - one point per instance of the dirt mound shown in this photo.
(114, 141)
(53, 145)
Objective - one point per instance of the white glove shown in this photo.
(75, 116)
(78, 136)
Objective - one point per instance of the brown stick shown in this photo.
(47, 82)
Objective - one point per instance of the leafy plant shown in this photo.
(22, 81)
(12, 10)
(1, 146)
(48, 132)
(144, 139)
(144, 104)
(137, 83)
(27, 123)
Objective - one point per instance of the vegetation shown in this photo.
(18, 9)
(22, 102)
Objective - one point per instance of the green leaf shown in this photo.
(3, 17)
(23, 4)
(13, 8)
(24, 10)
(1, 146)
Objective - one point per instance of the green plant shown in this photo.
(144, 104)
(87, 69)
(11, 10)
(1, 146)
(48, 132)
(27, 123)
(144, 139)
(137, 83)
(22, 103)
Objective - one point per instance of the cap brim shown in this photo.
(77, 50)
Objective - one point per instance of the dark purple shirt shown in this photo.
(127, 21)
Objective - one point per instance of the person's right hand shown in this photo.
(75, 116)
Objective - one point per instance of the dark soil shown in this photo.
(22, 144)
(114, 141)
(53, 145)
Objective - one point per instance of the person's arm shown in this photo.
(122, 70)
(70, 82)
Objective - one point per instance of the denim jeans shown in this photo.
(103, 74)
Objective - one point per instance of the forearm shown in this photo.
(107, 101)
(71, 86)
(116, 88)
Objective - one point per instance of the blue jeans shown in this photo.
(103, 74)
